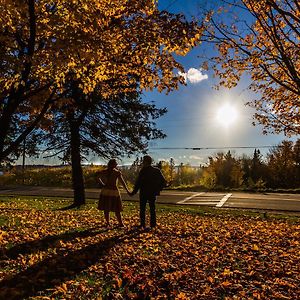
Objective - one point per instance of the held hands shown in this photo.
(127, 190)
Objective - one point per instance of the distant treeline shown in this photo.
(280, 169)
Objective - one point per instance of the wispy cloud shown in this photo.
(194, 75)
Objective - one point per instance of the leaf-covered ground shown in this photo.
(48, 253)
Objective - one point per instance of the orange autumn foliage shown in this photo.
(112, 45)
(261, 39)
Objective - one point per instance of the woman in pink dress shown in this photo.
(110, 198)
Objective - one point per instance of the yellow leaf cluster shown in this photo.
(95, 42)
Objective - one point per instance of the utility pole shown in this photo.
(23, 161)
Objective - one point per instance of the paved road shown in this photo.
(267, 201)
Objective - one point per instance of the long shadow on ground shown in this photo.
(57, 269)
(49, 241)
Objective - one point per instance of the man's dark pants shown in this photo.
(143, 201)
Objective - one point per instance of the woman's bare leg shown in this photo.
(119, 218)
(106, 215)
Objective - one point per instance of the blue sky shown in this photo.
(192, 120)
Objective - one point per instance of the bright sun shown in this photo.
(226, 115)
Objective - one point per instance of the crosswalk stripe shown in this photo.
(201, 203)
(190, 197)
(223, 200)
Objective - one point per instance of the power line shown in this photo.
(209, 148)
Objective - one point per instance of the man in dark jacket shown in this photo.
(150, 182)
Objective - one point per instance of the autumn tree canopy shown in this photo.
(109, 44)
(261, 39)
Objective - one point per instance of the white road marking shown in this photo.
(223, 200)
(201, 203)
(190, 197)
(173, 194)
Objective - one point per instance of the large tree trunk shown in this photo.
(5, 120)
(77, 174)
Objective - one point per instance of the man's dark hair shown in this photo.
(147, 159)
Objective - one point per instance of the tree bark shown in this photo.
(77, 173)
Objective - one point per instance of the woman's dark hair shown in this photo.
(112, 163)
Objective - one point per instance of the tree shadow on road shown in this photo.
(58, 268)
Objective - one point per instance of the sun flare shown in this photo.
(226, 115)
